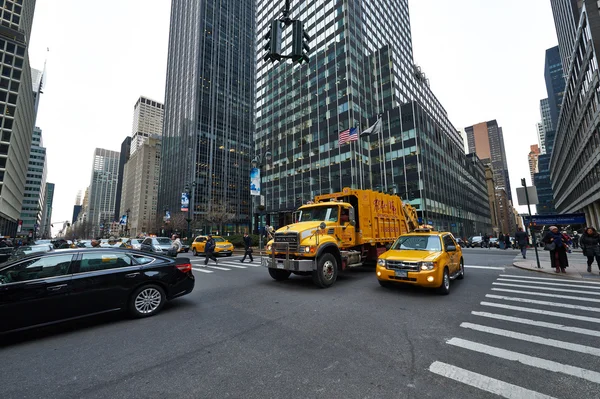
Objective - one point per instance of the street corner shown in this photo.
(571, 273)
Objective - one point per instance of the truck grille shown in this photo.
(289, 238)
(401, 265)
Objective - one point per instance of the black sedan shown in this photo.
(45, 288)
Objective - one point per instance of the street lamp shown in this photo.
(127, 222)
(189, 189)
(258, 162)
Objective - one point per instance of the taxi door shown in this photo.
(452, 255)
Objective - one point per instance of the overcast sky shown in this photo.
(484, 60)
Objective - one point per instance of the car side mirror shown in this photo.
(352, 223)
(451, 248)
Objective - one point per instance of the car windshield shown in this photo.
(163, 241)
(321, 213)
(219, 239)
(419, 243)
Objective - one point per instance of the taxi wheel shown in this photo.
(444, 289)
(327, 271)
(279, 274)
(462, 270)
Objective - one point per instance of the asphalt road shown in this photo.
(242, 335)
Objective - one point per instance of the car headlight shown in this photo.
(381, 262)
(268, 247)
(427, 265)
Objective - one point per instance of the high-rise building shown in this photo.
(566, 17)
(546, 117)
(17, 112)
(574, 163)
(76, 212)
(209, 110)
(555, 83)
(123, 158)
(46, 227)
(541, 135)
(534, 153)
(354, 74)
(147, 121)
(103, 190)
(35, 185)
(78, 198)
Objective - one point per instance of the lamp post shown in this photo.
(189, 189)
(258, 162)
(127, 222)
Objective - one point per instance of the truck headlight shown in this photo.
(427, 265)
(381, 262)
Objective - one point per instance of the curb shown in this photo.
(550, 273)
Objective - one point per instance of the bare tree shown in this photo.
(220, 214)
(178, 221)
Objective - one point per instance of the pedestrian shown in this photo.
(486, 241)
(576, 238)
(522, 239)
(590, 244)
(176, 246)
(247, 248)
(555, 243)
(507, 243)
(95, 243)
(209, 249)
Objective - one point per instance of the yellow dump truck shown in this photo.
(346, 229)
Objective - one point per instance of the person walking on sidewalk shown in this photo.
(209, 250)
(590, 244)
(557, 246)
(506, 241)
(247, 248)
(522, 239)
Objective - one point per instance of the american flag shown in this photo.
(348, 135)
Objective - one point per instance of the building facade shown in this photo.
(46, 227)
(541, 135)
(148, 116)
(35, 185)
(575, 159)
(566, 15)
(534, 154)
(123, 158)
(102, 191)
(555, 83)
(17, 109)
(209, 110)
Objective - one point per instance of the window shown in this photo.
(33, 269)
(200, 239)
(448, 241)
(143, 260)
(102, 261)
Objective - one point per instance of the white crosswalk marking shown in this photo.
(229, 264)
(492, 385)
(218, 268)
(546, 288)
(554, 304)
(202, 270)
(548, 279)
(485, 267)
(542, 312)
(569, 284)
(575, 298)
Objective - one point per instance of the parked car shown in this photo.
(45, 288)
(461, 242)
(475, 242)
(222, 246)
(136, 243)
(156, 244)
(494, 243)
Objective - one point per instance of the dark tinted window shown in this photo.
(448, 241)
(147, 241)
(143, 260)
(103, 260)
(163, 241)
(45, 267)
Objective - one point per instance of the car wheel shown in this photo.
(146, 301)
(194, 252)
(326, 272)
(384, 284)
(444, 288)
(462, 270)
(279, 274)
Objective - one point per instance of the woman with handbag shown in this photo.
(590, 244)
(555, 243)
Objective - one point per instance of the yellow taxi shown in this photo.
(425, 257)
(222, 246)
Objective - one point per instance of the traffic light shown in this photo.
(273, 46)
(300, 41)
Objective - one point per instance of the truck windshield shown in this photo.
(321, 213)
(420, 243)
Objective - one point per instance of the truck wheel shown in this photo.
(444, 288)
(462, 270)
(279, 274)
(327, 271)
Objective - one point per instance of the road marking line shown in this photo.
(545, 283)
(546, 288)
(485, 383)
(486, 267)
(218, 268)
(544, 312)
(540, 363)
(576, 298)
(557, 304)
(534, 339)
(234, 266)
(554, 326)
(548, 278)
(202, 270)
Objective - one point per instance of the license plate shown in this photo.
(280, 264)
(401, 273)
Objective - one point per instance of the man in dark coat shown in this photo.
(506, 241)
(209, 250)
(522, 239)
(555, 243)
(247, 248)
(590, 244)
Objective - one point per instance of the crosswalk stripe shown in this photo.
(576, 298)
(543, 312)
(546, 288)
(554, 326)
(545, 283)
(488, 384)
(548, 278)
(234, 266)
(485, 267)
(556, 304)
(218, 268)
(533, 361)
(534, 339)
(202, 270)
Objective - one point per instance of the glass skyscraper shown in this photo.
(209, 111)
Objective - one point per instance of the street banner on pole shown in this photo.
(255, 181)
(185, 202)
(123, 220)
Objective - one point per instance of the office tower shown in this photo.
(566, 19)
(546, 117)
(555, 83)
(35, 185)
(148, 118)
(17, 113)
(209, 111)
(534, 153)
(103, 191)
(123, 158)
(46, 227)
(78, 198)
(541, 135)
(574, 164)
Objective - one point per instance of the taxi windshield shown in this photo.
(321, 213)
(419, 243)
(219, 239)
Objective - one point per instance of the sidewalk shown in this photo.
(577, 265)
